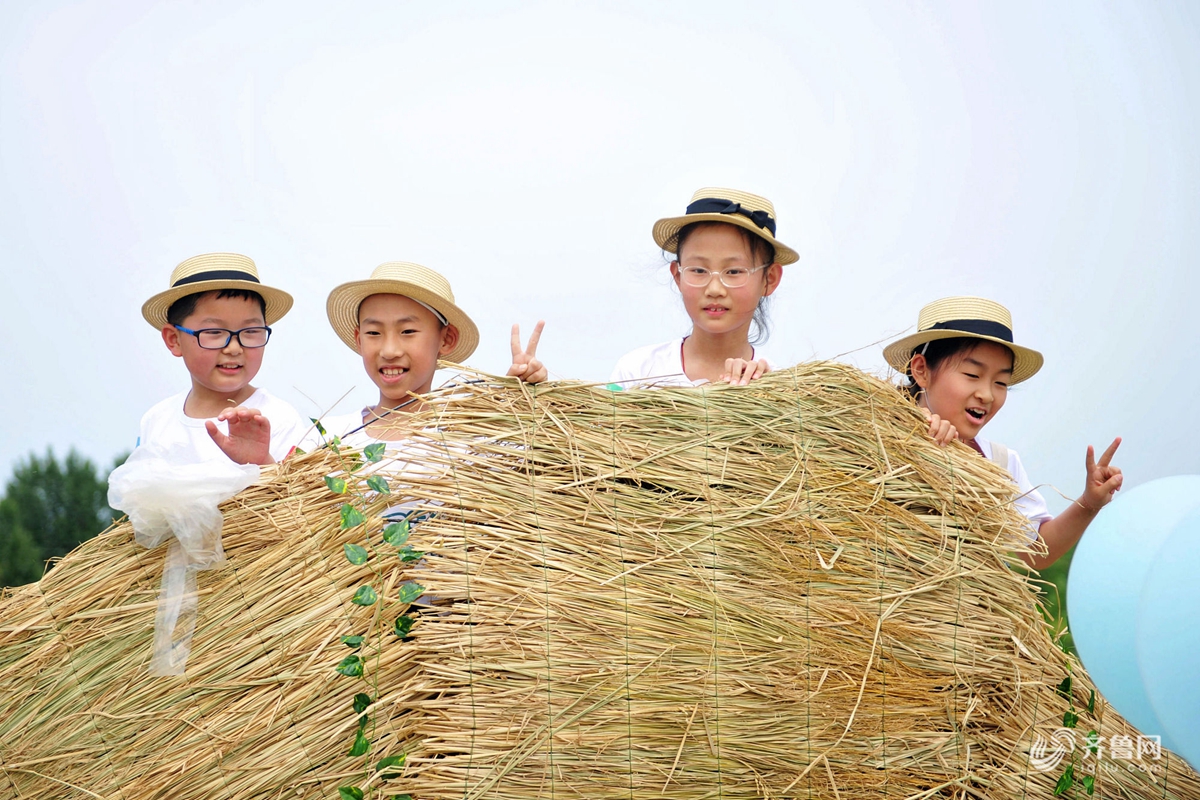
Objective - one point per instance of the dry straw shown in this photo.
(782, 590)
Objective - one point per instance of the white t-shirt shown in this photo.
(1030, 503)
(167, 428)
(657, 364)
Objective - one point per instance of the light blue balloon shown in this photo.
(1104, 588)
(1168, 638)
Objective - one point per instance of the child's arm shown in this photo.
(525, 366)
(1061, 533)
(739, 371)
(249, 439)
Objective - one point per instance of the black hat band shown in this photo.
(980, 327)
(217, 275)
(716, 205)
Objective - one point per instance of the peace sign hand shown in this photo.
(1103, 480)
(525, 364)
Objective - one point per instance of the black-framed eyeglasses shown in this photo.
(219, 338)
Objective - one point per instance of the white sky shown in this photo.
(1041, 154)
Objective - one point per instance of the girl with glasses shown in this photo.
(727, 262)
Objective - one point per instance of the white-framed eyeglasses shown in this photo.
(730, 277)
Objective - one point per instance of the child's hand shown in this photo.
(940, 430)
(249, 439)
(739, 372)
(1103, 481)
(525, 366)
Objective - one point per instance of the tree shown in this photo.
(48, 509)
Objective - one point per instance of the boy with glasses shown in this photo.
(216, 317)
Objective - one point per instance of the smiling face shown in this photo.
(967, 388)
(400, 342)
(218, 376)
(716, 309)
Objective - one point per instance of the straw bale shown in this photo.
(781, 590)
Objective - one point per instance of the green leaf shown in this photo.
(402, 797)
(365, 596)
(1093, 742)
(353, 641)
(351, 517)
(355, 465)
(1070, 719)
(387, 764)
(1089, 783)
(408, 554)
(350, 793)
(396, 533)
(361, 744)
(1091, 706)
(319, 426)
(410, 591)
(361, 703)
(379, 484)
(1065, 780)
(403, 626)
(373, 452)
(351, 667)
(1064, 688)
(335, 484)
(355, 554)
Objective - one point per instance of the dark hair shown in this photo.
(763, 253)
(937, 351)
(182, 308)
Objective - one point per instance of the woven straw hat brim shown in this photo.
(342, 308)
(667, 229)
(1026, 362)
(277, 301)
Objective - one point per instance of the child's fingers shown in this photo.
(517, 369)
(535, 337)
(515, 341)
(1110, 452)
(1090, 462)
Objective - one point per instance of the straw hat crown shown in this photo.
(212, 272)
(750, 211)
(407, 279)
(965, 317)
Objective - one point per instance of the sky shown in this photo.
(1039, 154)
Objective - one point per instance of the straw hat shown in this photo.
(410, 280)
(211, 272)
(749, 211)
(971, 317)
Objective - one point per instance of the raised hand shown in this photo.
(525, 364)
(249, 439)
(1103, 480)
(739, 371)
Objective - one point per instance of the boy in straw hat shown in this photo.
(401, 321)
(960, 364)
(216, 316)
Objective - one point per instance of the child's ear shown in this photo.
(919, 368)
(675, 272)
(171, 340)
(357, 339)
(449, 339)
(774, 276)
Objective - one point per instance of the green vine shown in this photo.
(392, 542)
(1068, 781)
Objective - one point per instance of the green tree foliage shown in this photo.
(49, 507)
